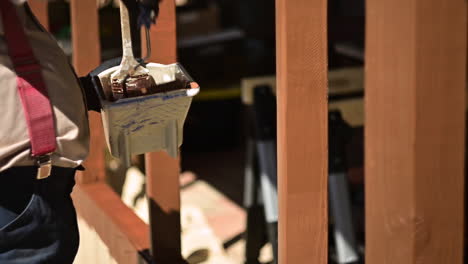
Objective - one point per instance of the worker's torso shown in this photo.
(65, 95)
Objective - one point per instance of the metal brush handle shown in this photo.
(129, 66)
(148, 49)
(148, 45)
(128, 60)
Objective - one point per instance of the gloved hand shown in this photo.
(149, 11)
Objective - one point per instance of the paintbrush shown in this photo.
(131, 78)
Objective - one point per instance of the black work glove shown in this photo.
(149, 11)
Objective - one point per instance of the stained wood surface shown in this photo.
(86, 57)
(163, 171)
(106, 222)
(40, 10)
(415, 116)
(302, 130)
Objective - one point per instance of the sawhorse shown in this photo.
(260, 192)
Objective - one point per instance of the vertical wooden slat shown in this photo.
(164, 198)
(302, 130)
(86, 57)
(40, 10)
(415, 116)
(163, 171)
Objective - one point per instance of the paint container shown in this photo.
(147, 123)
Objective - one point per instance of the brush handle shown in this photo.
(128, 60)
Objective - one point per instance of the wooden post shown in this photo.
(302, 130)
(86, 57)
(40, 10)
(162, 171)
(415, 129)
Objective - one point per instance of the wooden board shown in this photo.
(302, 130)
(86, 57)
(40, 10)
(415, 116)
(108, 224)
(163, 171)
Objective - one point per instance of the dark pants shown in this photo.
(37, 217)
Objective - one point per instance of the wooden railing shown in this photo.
(415, 137)
(110, 232)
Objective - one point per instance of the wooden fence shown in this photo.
(415, 104)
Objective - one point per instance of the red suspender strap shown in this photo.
(31, 86)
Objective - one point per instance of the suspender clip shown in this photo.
(45, 166)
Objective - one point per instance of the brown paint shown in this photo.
(415, 114)
(86, 57)
(163, 171)
(302, 130)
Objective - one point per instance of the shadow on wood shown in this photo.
(165, 230)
